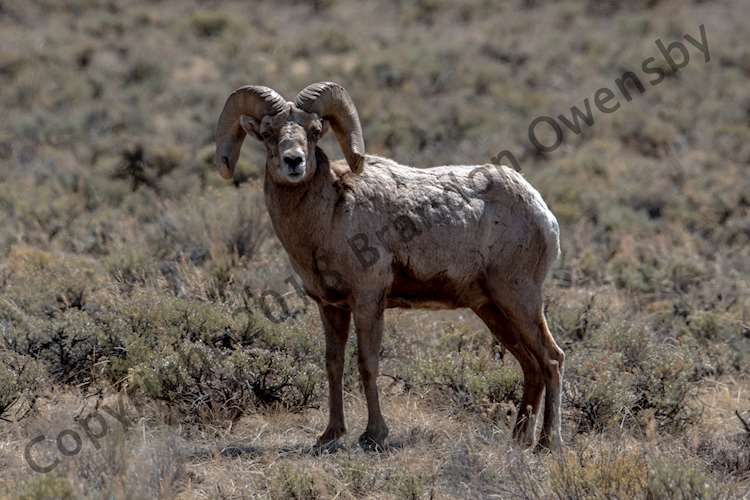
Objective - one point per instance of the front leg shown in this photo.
(368, 319)
(336, 327)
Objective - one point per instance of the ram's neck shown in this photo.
(300, 214)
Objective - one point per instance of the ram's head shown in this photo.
(289, 130)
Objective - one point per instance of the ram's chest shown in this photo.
(324, 283)
(313, 262)
(302, 222)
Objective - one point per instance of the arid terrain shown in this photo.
(153, 343)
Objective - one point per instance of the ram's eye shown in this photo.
(315, 132)
(266, 133)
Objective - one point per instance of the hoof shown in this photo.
(370, 443)
(524, 429)
(524, 439)
(374, 440)
(549, 443)
(328, 441)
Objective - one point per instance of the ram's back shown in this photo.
(451, 225)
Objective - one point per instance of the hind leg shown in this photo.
(505, 331)
(526, 314)
(551, 433)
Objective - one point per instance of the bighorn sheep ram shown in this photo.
(366, 234)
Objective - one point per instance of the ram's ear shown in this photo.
(251, 126)
(324, 128)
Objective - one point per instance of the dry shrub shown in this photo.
(288, 481)
(673, 478)
(611, 474)
(229, 225)
(22, 378)
(210, 365)
(466, 374)
(127, 465)
(607, 471)
(600, 398)
(203, 359)
(728, 455)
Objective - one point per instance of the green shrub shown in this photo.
(464, 370)
(680, 480)
(211, 366)
(663, 384)
(130, 266)
(205, 362)
(611, 475)
(626, 378)
(46, 486)
(408, 485)
(288, 481)
(623, 473)
(208, 23)
(600, 395)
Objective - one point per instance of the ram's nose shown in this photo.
(294, 162)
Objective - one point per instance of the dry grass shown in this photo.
(129, 270)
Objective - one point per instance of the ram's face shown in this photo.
(290, 139)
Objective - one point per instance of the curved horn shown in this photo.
(332, 102)
(251, 100)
